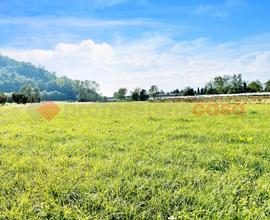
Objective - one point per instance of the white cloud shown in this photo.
(78, 22)
(105, 2)
(152, 60)
(220, 10)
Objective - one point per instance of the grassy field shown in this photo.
(134, 161)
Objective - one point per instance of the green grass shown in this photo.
(134, 161)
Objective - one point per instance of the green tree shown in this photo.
(135, 95)
(36, 95)
(236, 84)
(175, 92)
(153, 91)
(3, 99)
(226, 84)
(267, 86)
(120, 94)
(188, 91)
(31, 92)
(19, 98)
(143, 95)
(221, 84)
(210, 89)
(245, 86)
(87, 91)
(255, 86)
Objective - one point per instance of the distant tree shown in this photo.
(3, 99)
(143, 95)
(153, 91)
(210, 89)
(87, 91)
(120, 94)
(245, 87)
(267, 86)
(202, 91)
(225, 84)
(175, 92)
(198, 91)
(9, 98)
(36, 95)
(91, 85)
(236, 84)
(31, 92)
(221, 84)
(88, 95)
(26, 90)
(255, 86)
(104, 99)
(161, 92)
(135, 95)
(19, 98)
(188, 91)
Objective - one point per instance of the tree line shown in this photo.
(27, 94)
(225, 84)
(85, 91)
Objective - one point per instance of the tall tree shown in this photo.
(221, 84)
(87, 91)
(31, 92)
(143, 95)
(19, 98)
(135, 94)
(153, 91)
(202, 91)
(188, 91)
(245, 86)
(255, 86)
(175, 92)
(237, 84)
(198, 91)
(120, 94)
(3, 99)
(210, 89)
(267, 86)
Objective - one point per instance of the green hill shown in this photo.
(15, 74)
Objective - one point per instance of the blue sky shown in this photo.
(139, 43)
(182, 20)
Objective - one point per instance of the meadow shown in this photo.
(134, 161)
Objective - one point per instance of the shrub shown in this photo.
(120, 94)
(135, 95)
(267, 86)
(19, 98)
(31, 92)
(143, 95)
(3, 99)
(188, 92)
(255, 86)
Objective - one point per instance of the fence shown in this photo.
(263, 97)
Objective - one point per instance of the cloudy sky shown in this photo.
(128, 43)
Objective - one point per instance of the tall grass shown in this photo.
(134, 161)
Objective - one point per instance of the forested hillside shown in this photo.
(14, 75)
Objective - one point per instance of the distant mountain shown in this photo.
(15, 74)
